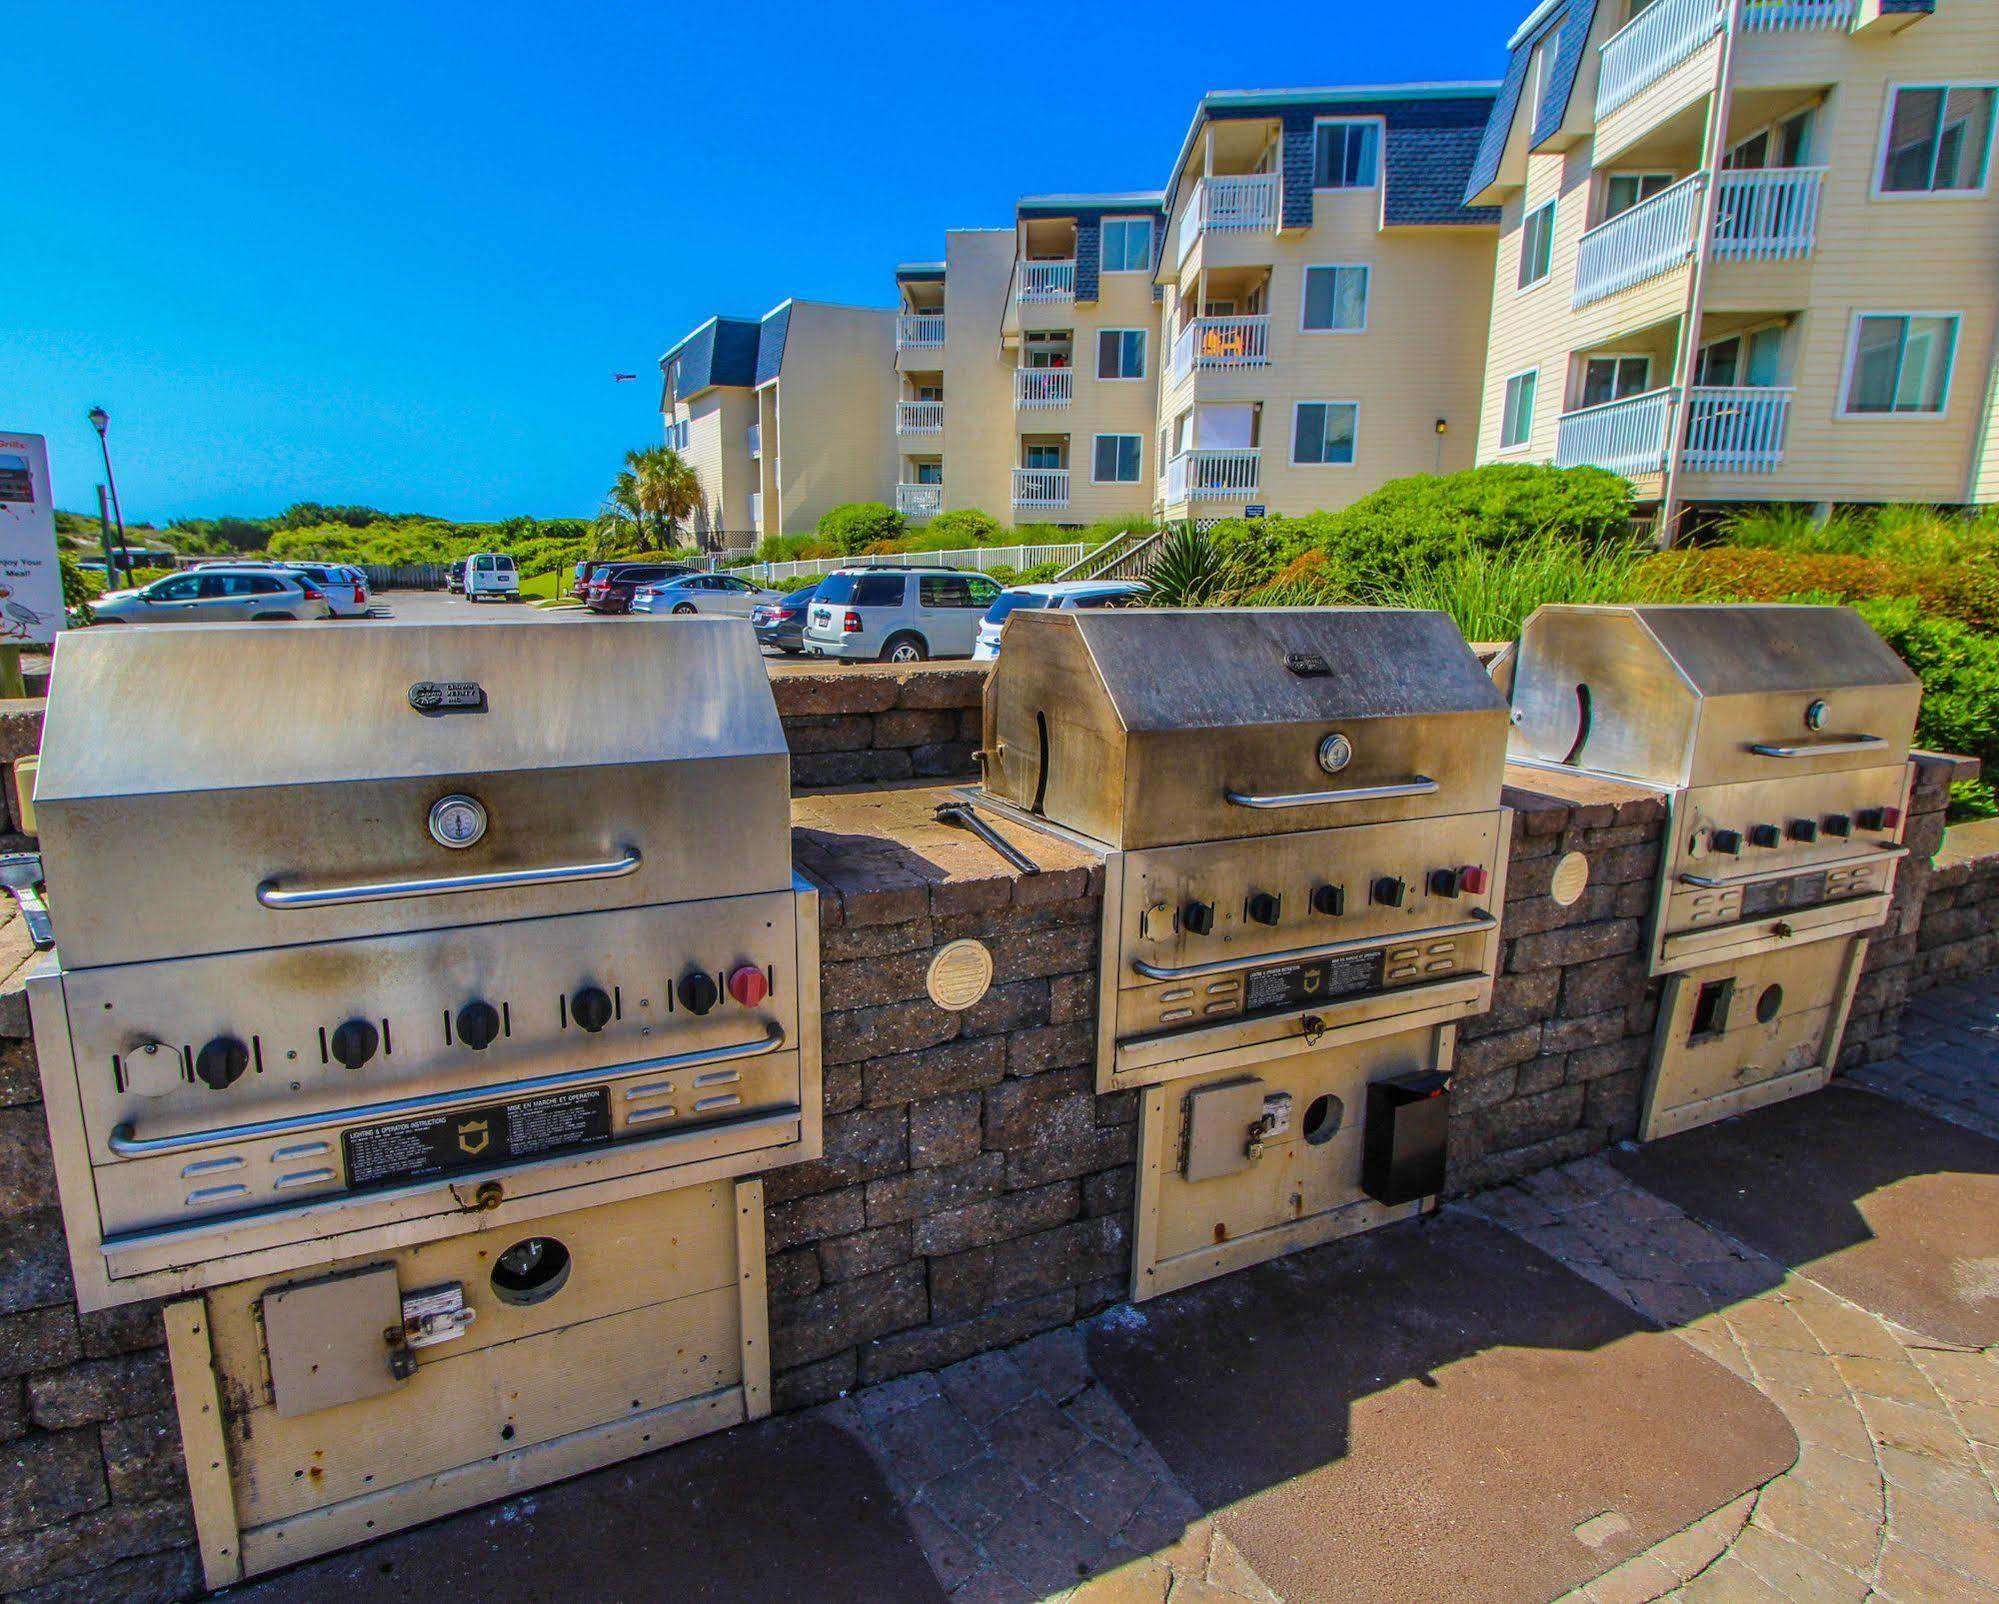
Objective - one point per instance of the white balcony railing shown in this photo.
(919, 501)
(1222, 342)
(1043, 387)
(755, 437)
(1627, 437)
(919, 331)
(1651, 45)
(1794, 16)
(1245, 203)
(1653, 237)
(1229, 475)
(1048, 281)
(1736, 430)
(919, 417)
(1041, 487)
(1768, 214)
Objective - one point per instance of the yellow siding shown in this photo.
(978, 376)
(1692, 80)
(1101, 406)
(836, 412)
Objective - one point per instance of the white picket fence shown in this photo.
(981, 558)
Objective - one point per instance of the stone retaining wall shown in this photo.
(1958, 934)
(870, 722)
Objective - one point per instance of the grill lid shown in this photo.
(1151, 727)
(193, 780)
(1709, 694)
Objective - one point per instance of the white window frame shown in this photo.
(1585, 358)
(1604, 213)
(1151, 244)
(1887, 129)
(1144, 356)
(1380, 155)
(1550, 206)
(1506, 409)
(1315, 401)
(1365, 269)
(1118, 434)
(1840, 412)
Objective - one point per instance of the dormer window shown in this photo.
(1347, 154)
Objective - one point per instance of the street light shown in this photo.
(100, 420)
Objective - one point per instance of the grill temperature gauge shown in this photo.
(457, 821)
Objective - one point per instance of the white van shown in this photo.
(490, 576)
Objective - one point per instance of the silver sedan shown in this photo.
(702, 593)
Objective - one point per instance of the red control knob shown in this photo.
(1472, 878)
(748, 986)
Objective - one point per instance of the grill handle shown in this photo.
(1884, 854)
(1851, 743)
(1327, 949)
(1417, 785)
(126, 1143)
(272, 895)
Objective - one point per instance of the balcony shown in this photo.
(1228, 475)
(1047, 281)
(756, 509)
(1627, 437)
(1222, 342)
(1668, 32)
(1653, 237)
(919, 331)
(1247, 204)
(922, 502)
(1736, 430)
(754, 436)
(1043, 387)
(919, 417)
(1767, 215)
(1041, 487)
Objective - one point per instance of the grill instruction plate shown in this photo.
(475, 1138)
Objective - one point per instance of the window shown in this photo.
(878, 590)
(1546, 53)
(1043, 456)
(1516, 419)
(1347, 155)
(676, 435)
(182, 587)
(1323, 432)
(1121, 353)
(1612, 378)
(1742, 359)
(1335, 299)
(930, 473)
(1901, 363)
(1626, 190)
(943, 590)
(1116, 459)
(1537, 245)
(1939, 139)
(1127, 245)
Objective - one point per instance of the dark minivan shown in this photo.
(611, 586)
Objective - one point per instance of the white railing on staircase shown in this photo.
(1651, 45)
(1737, 429)
(1245, 202)
(1041, 487)
(1628, 437)
(919, 417)
(1043, 387)
(1653, 237)
(980, 558)
(1767, 214)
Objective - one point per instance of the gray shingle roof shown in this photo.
(722, 351)
(1575, 18)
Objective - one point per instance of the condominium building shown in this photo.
(1748, 249)
(1326, 294)
(783, 416)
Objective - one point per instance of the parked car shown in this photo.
(346, 588)
(781, 623)
(216, 596)
(454, 577)
(897, 615)
(611, 586)
(580, 583)
(491, 576)
(1054, 594)
(701, 593)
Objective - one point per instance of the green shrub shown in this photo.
(1095, 534)
(1959, 669)
(856, 525)
(963, 526)
(1972, 799)
(795, 582)
(79, 585)
(145, 576)
(1188, 572)
(1036, 573)
(1798, 529)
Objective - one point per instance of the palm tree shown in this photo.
(654, 492)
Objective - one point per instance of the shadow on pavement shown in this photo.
(1433, 1410)
(1886, 1206)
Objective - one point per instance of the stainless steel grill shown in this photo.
(1780, 737)
(445, 927)
(1299, 815)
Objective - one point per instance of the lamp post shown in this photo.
(100, 420)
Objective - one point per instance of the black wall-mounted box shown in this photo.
(1403, 1143)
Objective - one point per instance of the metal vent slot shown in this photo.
(1711, 1011)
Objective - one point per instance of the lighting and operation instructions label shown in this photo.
(475, 1138)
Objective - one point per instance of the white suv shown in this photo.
(897, 615)
(490, 576)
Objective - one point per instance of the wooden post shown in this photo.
(11, 682)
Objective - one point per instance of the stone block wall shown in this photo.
(1958, 935)
(1556, 1069)
(871, 722)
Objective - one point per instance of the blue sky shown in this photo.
(393, 253)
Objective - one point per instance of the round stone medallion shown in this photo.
(959, 975)
(1571, 879)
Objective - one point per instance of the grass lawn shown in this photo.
(544, 586)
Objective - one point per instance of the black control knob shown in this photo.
(1804, 829)
(478, 1025)
(1388, 891)
(1330, 900)
(1198, 918)
(1443, 882)
(1727, 842)
(1765, 835)
(1839, 825)
(591, 1008)
(1871, 819)
(221, 1063)
(1265, 909)
(354, 1043)
(698, 992)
